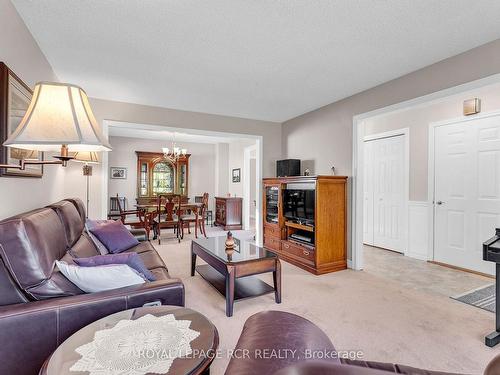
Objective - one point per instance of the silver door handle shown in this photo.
(439, 203)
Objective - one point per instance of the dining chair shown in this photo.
(141, 218)
(167, 214)
(197, 217)
(114, 206)
(208, 213)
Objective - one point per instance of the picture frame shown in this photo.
(15, 97)
(118, 173)
(236, 175)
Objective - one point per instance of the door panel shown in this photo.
(385, 195)
(466, 191)
(368, 194)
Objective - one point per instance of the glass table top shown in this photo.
(243, 251)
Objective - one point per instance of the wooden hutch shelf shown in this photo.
(157, 175)
(326, 250)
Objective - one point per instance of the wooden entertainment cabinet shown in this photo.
(327, 251)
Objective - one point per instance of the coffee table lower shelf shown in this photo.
(245, 287)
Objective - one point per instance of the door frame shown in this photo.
(247, 205)
(404, 132)
(431, 175)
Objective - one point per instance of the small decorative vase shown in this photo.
(229, 240)
(229, 253)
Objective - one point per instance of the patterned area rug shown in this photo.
(484, 298)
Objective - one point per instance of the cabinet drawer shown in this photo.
(271, 243)
(272, 232)
(298, 251)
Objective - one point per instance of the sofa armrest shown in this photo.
(31, 331)
(140, 234)
(276, 332)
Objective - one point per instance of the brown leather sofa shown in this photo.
(281, 343)
(39, 307)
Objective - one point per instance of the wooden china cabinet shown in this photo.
(157, 175)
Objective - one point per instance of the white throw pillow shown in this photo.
(99, 278)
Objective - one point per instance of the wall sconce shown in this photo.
(59, 116)
(472, 106)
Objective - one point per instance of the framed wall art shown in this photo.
(15, 97)
(237, 175)
(118, 173)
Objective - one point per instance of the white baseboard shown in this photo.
(349, 263)
(418, 230)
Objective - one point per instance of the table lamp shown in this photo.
(88, 158)
(59, 118)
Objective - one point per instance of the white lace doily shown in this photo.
(136, 347)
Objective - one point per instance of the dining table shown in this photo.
(151, 207)
(154, 206)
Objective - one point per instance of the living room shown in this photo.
(247, 90)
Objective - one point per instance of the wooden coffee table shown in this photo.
(230, 272)
(60, 362)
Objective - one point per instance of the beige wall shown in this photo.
(20, 52)
(201, 166)
(236, 160)
(323, 137)
(418, 119)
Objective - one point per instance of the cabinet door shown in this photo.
(143, 179)
(272, 204)
(182, 173)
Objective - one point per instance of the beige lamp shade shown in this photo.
(58, 114)
(90, 157)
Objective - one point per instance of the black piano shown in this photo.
(491, 253)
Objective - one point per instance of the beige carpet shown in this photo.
(358, 310)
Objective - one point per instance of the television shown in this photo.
(298, 205)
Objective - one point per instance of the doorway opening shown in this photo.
(215, 159)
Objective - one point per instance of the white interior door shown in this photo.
(466, 191)
(385, 192)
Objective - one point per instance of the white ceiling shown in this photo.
(260, 59)
(156, 132)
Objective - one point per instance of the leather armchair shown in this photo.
(290, 334)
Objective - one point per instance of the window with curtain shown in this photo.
(163, 178)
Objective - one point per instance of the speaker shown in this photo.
(288, 167)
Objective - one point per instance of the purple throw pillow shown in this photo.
(133, 260)
(91, 224)
(115, 237)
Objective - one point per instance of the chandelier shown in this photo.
(174, 153)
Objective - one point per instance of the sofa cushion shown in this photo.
(278, 332)
(100, 278)
(160, 273)
(71, 219)
(31, 243)
(151, 259)
(84, 247)
(115, 237)
(141, 248)
(132, 260)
